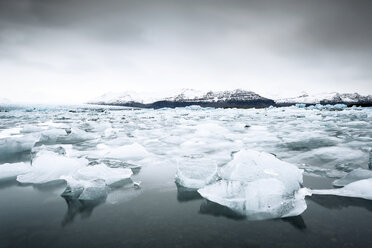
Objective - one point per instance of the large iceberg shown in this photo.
(259, 199)
(259, 185)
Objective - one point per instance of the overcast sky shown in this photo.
(74, 50)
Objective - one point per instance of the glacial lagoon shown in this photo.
(93, 176)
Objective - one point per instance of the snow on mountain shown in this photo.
(127, 97)
(332, 97)
(215, 96)
(185, 95)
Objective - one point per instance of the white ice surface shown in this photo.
(133, 151)
(48, 167)
(359, 189)
(101, 171)
(196, 173)
(249, 165)
(11, 170)
(260, 199)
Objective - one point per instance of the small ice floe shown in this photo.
(137, 185)
(359, 189)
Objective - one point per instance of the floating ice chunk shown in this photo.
(260, 199)
(49, 166)
(53, 148)
(31, 129)
(137, 185)
(250, 165)
(76, 135)
(210, 130)
(96, 190)
(65, 136)
(101, 171)
(196, 173)
(13, 170)
(355, 175)
(89, 183)
(50, 136)
(127, 152)
(85, 189)
(194, 107)
(359, 189)
(16, 145)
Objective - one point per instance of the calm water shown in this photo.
(325, 143)
(160, 215)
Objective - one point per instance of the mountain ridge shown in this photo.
(225, 99)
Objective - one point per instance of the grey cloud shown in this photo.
(333, 37)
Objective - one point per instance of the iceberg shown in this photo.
(249, 165)
(260, 199)
(259, 185)
(359, 189)
(196, 173)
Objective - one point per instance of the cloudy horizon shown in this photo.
(73, 51)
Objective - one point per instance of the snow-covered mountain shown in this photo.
(185, 97)
(223, 99)
(211, 96)
(327, 98)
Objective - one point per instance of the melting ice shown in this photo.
(226, 154)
